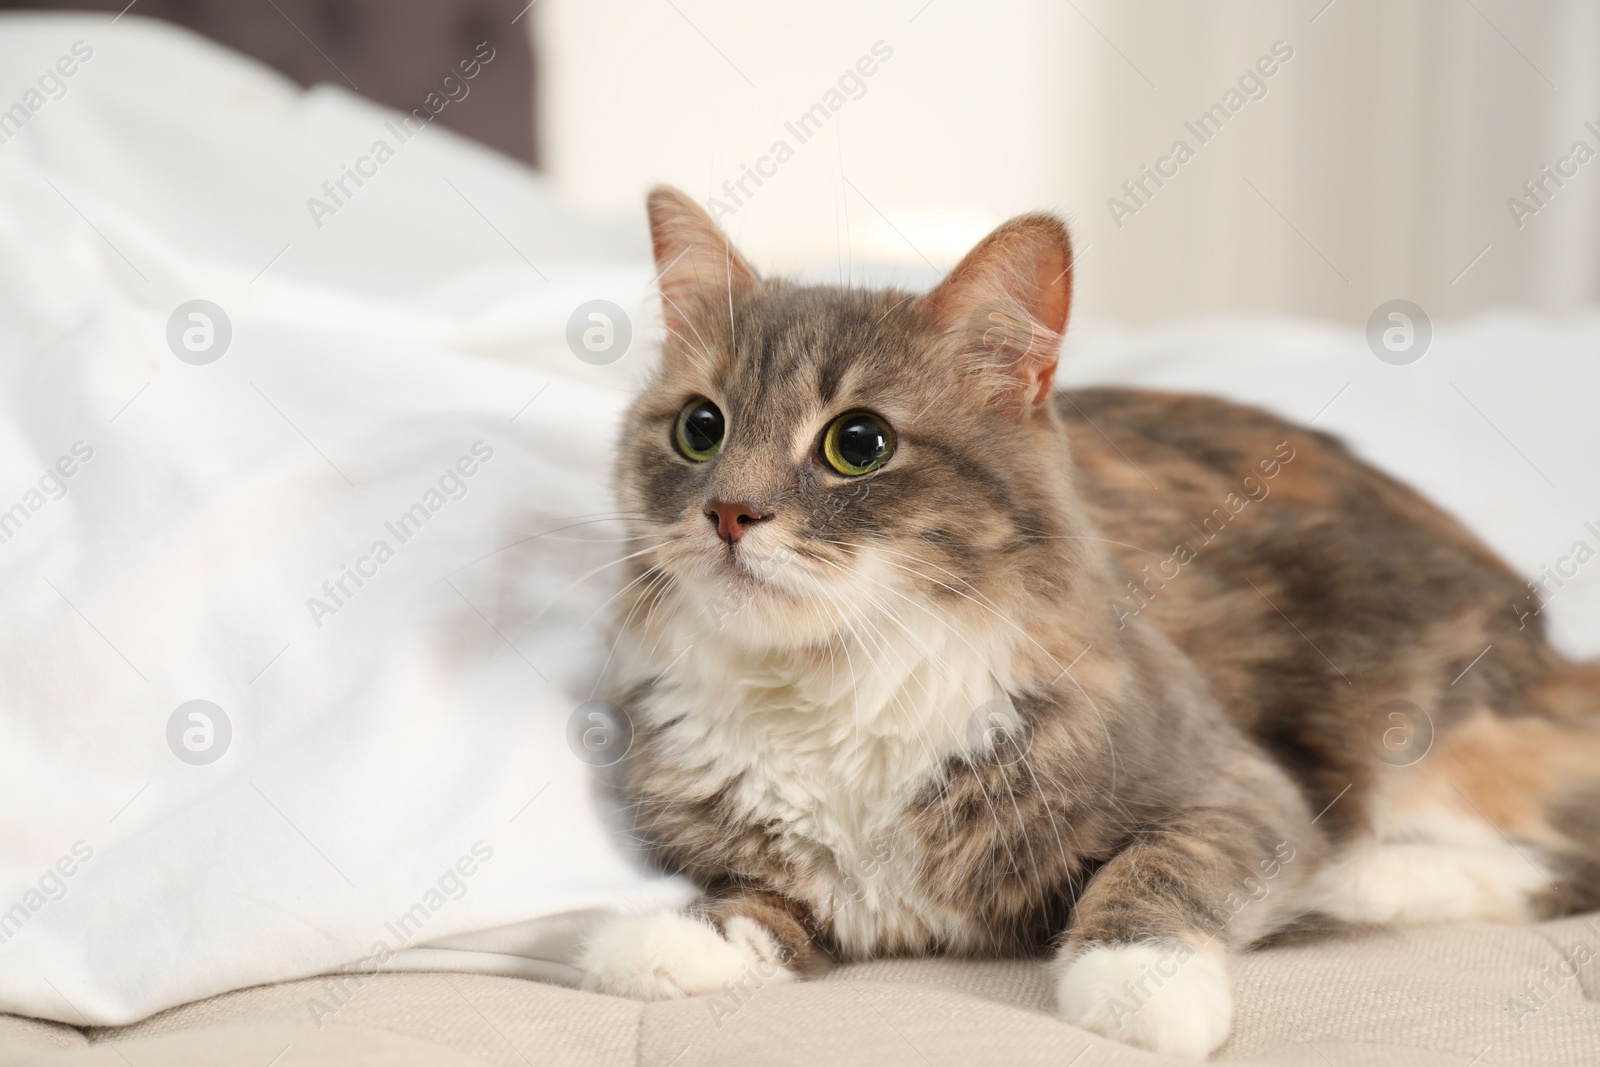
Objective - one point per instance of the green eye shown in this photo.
(857, 443)
(699, 431)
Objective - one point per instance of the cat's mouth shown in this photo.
(748, 569)
(769, 590)
(763, 571)
(745, 565)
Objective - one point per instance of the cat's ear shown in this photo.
(695, 261)
(1006, 304)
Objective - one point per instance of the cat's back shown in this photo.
(1231, 481)
(1308, 586)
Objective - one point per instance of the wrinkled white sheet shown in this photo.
(388, 741)
(410, 746)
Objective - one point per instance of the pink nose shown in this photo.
(732, 519)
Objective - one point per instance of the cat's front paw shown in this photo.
(666, 954)
(1164, 996)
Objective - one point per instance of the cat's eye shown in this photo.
(857, 443)
(699, 430)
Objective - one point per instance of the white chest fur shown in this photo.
(831, 747)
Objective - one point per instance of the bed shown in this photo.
(363, 746)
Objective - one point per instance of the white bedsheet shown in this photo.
(418, 731)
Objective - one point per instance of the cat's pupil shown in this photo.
(861, 441)
(703, 427)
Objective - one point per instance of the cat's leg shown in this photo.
(738, 941)
(1145, 959)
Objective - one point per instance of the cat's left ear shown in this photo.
(697, 264)
(1007, 303)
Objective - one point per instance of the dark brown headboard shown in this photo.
(394, 51)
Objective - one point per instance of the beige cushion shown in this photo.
(1440, 995)
(34, 1034)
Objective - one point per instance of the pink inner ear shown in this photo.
(1025, 266)
(1054, 280)
(694, 256)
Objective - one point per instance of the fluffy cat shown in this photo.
(924, 656)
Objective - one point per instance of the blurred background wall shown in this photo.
(1376, 162)
(1356, 151)
(391, 51)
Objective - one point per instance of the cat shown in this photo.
(923, 655)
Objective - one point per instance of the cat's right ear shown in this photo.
(1006, 303)
(696, 263)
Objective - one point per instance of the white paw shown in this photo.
(665, 954)
(1421, 882)
(1164, 996)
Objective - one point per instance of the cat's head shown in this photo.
(807, 456)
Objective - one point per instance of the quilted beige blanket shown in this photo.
(1475, 995)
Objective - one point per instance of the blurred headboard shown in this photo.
(394, 51)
